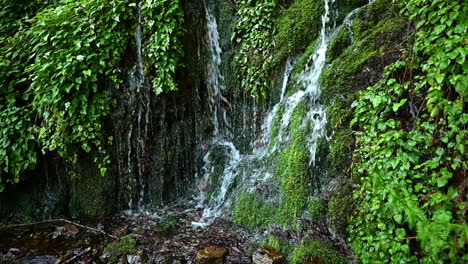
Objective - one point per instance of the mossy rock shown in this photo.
(317, 209)
(126, 245)
(252, 212)
(297, 27)
(169, 225)
(282, 245)
(340, 207)
(317, 252)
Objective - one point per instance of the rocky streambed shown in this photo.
(168, 238)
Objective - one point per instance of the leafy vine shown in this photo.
(254, 32)
(411, 141)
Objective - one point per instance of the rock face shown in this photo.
(267, 255)
(211, 255)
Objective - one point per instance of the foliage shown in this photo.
(316, 251)
(411, 143)
(163, 50)
(169, 226)
(58, 64)
(253, 32)
(126, 245)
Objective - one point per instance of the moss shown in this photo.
(354, 64)
(341, 41)
(252, 212)
(346, 6)
(217, 158)
(297, 27)
(169, 225)
(282, 245)
(317, 209)
(276, 125)
(316, 251)
(124, 246)
(293, 170)
(340, 207)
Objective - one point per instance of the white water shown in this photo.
(247, 171)
(138, 133)
(218, 103)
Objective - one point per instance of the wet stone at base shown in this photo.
(211, 255)
(238, 260)
(267, 255)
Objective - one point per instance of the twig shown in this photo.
(94, 230)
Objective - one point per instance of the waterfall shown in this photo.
(247, 170)
(215, 80)
(137, 134)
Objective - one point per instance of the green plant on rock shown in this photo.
(169, 225)
(293, 170)
(252, 212)
(411, 141)
(316, 251)
(282, 245)
(126, 245)
(297, 27)
(253, 32)
(163, 49)
(317, 209)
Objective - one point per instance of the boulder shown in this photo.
(267, 255)
(211, 255)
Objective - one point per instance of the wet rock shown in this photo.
(133, 259)
(211, 255)
(267, 255)
(8, 258)
(39, 260)
(66, 231)
(238, 260)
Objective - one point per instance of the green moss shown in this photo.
(340, 207)
(317, 209)
(282, 245)
(341, 41)
(124, 246)
(292, 170)
(276, 125)
(297, 27)
(252, 212)
(217, 158)
(316, 251)
(346, 6)
(90, 194)
(169, 225)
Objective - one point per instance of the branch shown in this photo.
(93, 230)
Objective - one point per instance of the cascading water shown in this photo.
(244, 172)
(137, 134)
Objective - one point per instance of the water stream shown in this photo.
(245, 171)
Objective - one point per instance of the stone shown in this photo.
(267, 255)
(211, 255)
(133, 259)
(238, 260)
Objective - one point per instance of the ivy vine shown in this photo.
(163, 48)
(411, 140)
(58, 62)
(254, 32)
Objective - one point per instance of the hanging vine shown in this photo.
(411, 140)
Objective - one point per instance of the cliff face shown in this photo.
(159, 141)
